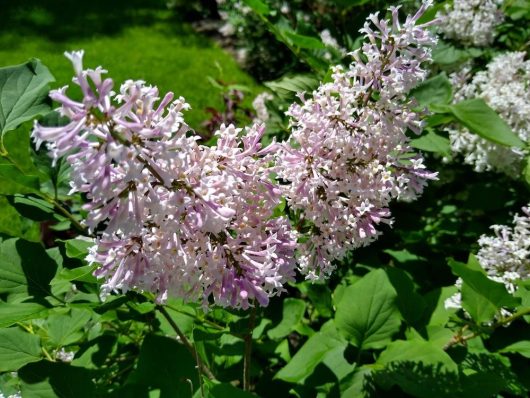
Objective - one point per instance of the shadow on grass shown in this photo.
(64, 20)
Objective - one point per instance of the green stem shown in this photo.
(248, 350)
(195, 317)
(459, 338)
(77, 225)
(200, 365)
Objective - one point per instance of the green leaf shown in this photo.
(411, 305)
(32, 207)
(165, 364)
(312, 353)
(23, 93)
(447, 54)
(481, 296)
(17, 145)
(18, 348)
(440, 315)
(320, 295)
(26, 268)
(46, 379)
(13, 224)
(436, 90)
(432, 142)
(288, 86)
(292, 314)
(11, 313)
(367, 315)
(66, 329)
(303, 41)
(519, 347)
(13, 181)
(423, 352)
(526, 170)
(81, 274)
(480, 119)
(258, 6)
(78, 248)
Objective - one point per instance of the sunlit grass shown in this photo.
(166, 53)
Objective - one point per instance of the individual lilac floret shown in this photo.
(349, 156)
(504, 256)
(170, 216)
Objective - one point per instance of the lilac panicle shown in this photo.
(348, 156)
(177, 218)
(171, 216)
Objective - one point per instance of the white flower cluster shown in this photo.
(260, 106)
(472, 22)
(505, 256)
(504, 87)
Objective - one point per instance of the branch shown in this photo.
(459, 338)
(201, 366)
(248, 350)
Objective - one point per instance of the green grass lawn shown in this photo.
(132, 39)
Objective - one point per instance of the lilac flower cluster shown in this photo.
(171, 216)
(349, 155)
(472, 22)
(505, 256)
(177, 218)
(504, 86)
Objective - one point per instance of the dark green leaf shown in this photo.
(481, 296)
(226, 390)
(288, 86)
(78, 248)
(13, 224)
(32, 207)
(26, 268)
(312, 353)
(303, 41)
(447, 54)
(18, 348)
(367, 314)
(65, 329)
(165, 364)
(258, 6)
(13, 181)
(432, 142)
(292, 314)
(11, 313)
(81, 274)
(57, 380)
(411, 305)
(436, 90)
(480, 119)
(23, 93)
(520, 347)
(418, 351)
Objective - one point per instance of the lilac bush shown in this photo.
(181, 219)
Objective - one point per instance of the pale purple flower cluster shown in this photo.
(181, 219)
(349, 155)
(171, 216)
